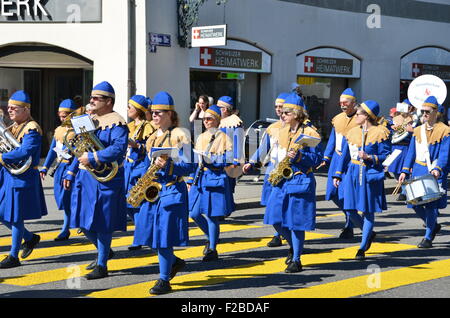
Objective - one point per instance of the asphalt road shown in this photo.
(247, 268)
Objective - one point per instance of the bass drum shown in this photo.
(423, 190)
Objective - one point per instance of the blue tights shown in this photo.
(348, 221)
(166, 259)
(296, 240)
(102, 242)
(209, 225)
(19, 232)
(65, 228)
(365, 223)
(429, 216)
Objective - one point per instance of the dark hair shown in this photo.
(174, 118)
(205, 99)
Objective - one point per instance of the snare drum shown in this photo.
(422, 190)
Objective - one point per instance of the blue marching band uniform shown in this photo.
(99, 208)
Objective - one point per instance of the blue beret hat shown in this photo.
(225, 101)
(163, 101)
(215, 111)
(104, 89)
(294, 101)
(149, 101)
(372, 108)
(441, 109)
(20, 98)
(140, 102)
(281, 98)
(431, 101)
(406, 101)
(348, 93)
(67, 105)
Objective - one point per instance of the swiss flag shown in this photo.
(196, 34)
(309, 64)
(206, 56)
(416, 69)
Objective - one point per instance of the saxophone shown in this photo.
(283, 169)
(145, 188)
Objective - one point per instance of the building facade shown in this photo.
(58, 49)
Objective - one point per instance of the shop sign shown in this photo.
(327, 65)
(214, 35)
(56, 11)
(441, 71)
(227, 58)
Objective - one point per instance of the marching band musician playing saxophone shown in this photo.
(291, 206)
(428, 153)
(268, 147)
(62, 196)
(140, 129)
(163, 223)
(364, 149)
(210, 193)
(341, 123)
(99, 207)
(21, 195)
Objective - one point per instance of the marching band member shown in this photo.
(163, 224)
(62, 196)
(21, 195)
(402, 133)
(210, 194)
(99, 207)
(140, 129)
(428, 154)
(341, 123)
(291, 206)
(364, 148)
(233, 126)
(268, 147)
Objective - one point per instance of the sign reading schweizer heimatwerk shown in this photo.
(226, 58)
(67, 11)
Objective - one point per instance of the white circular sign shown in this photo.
(423, 87)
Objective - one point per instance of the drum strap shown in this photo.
(424, 148)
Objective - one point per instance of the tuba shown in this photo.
(8, 143)
(400, 132)
(86, 141)
(145, 188)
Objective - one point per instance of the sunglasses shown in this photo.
(158, 112)
(359, 114)
(208, 119)
(98, 98)
(423, 111)
(286, 113)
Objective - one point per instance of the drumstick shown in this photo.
(397, 188)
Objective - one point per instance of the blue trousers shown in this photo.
(19, 232)
(209, 225)
(296, 240)
(102, 242)
(166, 258)
(429, 217)
(365, 223)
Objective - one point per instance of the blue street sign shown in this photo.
(160, 39)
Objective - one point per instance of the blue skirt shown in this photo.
(62, 196)
(22, 198)
(96, 206)
(397, 165)
(164, 223)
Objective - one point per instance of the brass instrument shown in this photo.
(400, 131)
(88, 142)
(8, 143)
(283, 170)
(145, 188)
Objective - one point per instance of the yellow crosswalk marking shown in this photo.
(367, 284)
(222, 275)
(116, 242)
(139, 261)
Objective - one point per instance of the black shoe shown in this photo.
(425, 244)
(27, 247)
(97, 273)
(360, 255)
(79, 231)
(294, 267)
(161, 287)
(347, 233)
(289, 256)
(177, 266)
(10, 262)
(371, 238)
(206, 248)
(211, 255)
(275, 242)
(134, 247)
(436, 230)
(401, 197)
(94, 263)
(62, 238)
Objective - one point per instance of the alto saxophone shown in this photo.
(283, 169)
(145, 188)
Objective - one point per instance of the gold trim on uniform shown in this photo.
(439, 131)
(19, 103)
(222, 143)
(287, 137)
(342, 123)
(108, 120)
(103, 93)
(375, 134)
(230, 122)
(178, 138)
(137, 105)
